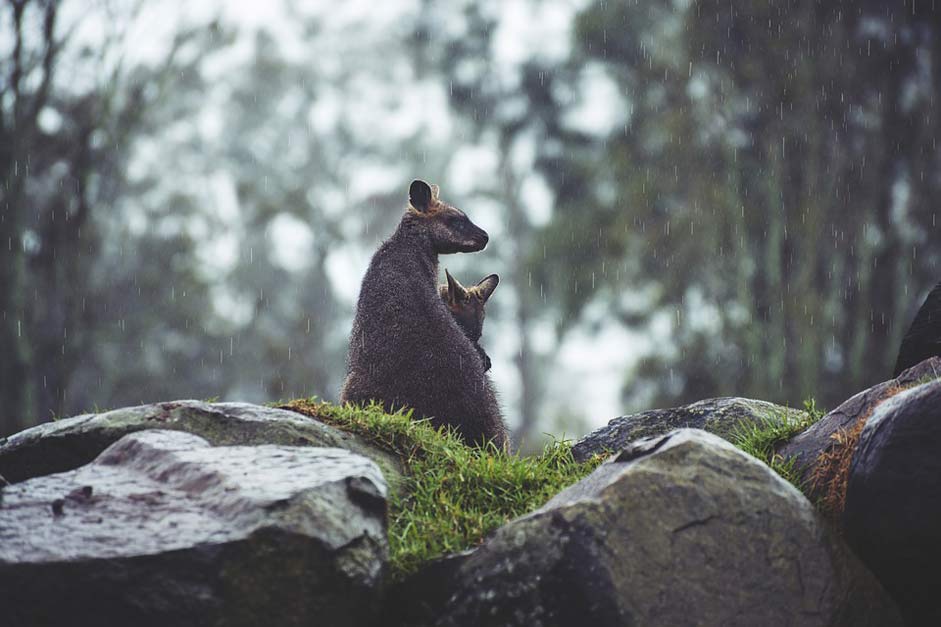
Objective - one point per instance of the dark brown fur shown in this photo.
(466, 305)
(406, 350)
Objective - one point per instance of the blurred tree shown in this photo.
(512, 112)
(70, 117)
(294, 180)
(284, 170)
(772, 191)
(26, 75)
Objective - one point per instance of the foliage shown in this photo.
(761, 206)
(769, 188)
(520, 111)
(81, 292)
(763, 438)
(454, 495)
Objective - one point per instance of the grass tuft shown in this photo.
(454, 495)
(762, 439)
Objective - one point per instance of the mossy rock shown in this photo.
(679, 529)
(723, 417)
(72, 442)
(822, 454)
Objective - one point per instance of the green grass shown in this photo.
(454, 495)
(761, 439)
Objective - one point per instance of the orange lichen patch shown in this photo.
(831, 473)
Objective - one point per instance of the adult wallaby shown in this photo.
(466, 305)
(406, 350)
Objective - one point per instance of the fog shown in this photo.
(684, 199)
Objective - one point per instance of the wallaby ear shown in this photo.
(419, 195)
(435, 190)
(456, 291)
(487, 285)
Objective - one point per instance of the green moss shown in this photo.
(454, 494)
(761, 439)
(928, 378)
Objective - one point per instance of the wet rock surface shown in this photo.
(72, 442)
(720, 416)
(893, 500)
(811, 448)
(675, 530)
(163, 529)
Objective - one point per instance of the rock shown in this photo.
(893, 500)
(162, 529)
(823, 452)
(418, 598)
(676, 530)
(923, 339)
(720, 416)
(72, 442)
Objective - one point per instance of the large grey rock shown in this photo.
(721, 416)
(823, 451)
(893, 500)
(162, 529)
(72, 442)
(683, 529)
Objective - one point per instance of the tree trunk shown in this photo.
(14, 347)
(519, 233)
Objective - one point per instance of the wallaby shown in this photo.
(923, 339)
(467, 307)
(406, 350)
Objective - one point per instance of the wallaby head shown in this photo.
(466, 304)
(447, 228)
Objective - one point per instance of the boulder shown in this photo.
(823, 452)
(721, 416)
(72, 442)
(162, 529)
(923, 339)
(675, 530)
(418, 598)
(893, 500)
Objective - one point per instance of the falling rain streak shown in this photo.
(684, 199)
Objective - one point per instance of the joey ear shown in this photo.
(487, 285)
(456, 291)
(419, 195)
(435, 190)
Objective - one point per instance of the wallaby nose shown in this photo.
(475, 239)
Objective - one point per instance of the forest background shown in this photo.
(686, 198)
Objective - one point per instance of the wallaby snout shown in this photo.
(480, 238)
(477, 239)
